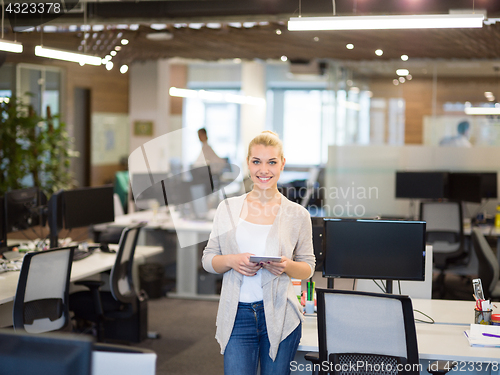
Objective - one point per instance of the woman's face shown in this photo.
(265, 166)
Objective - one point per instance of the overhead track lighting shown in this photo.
(67, 56)
(11, 46)
(484, 111)
(424, 21)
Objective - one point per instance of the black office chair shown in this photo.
(318, 235)
(120, 314)
(369, 328)
(488, 268)
(444, 231)
(41, 300)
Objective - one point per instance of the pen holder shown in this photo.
(482, 317)
(309, 307)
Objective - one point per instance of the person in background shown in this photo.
(208, 156)
(461, 139)
(260, 318)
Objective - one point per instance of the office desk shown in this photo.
(443, 340)
(189, 234)
(81, 269)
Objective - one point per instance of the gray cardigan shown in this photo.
(291, 236)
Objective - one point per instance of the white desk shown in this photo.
(443, 340)
(80, 269)
(189, 233)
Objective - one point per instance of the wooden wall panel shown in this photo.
(178, 78)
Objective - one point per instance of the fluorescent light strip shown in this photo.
(430, 21)
(485, 111)
(11, 46)
(215, 96)
(67, 56)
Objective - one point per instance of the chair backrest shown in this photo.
(121, 280)
(488, 268)
(444, 227)
(41, 300)
(108, 359)
(368, 327)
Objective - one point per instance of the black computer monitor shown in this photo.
(44, 354)
(23, 209)
(88, 206)
(422, 185)
(374, 249)
(465, 187)
(489, 185)
(150, 187)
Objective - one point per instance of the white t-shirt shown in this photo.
(251, 238)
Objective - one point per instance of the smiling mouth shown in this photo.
(264, 179)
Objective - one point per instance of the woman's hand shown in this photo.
(241, 263)
(277, 268)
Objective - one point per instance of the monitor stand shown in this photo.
(388, 286)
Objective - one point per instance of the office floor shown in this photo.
(187, 344)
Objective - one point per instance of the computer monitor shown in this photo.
(465, 187)
(44, 354)
(151, 187)
(374, 249)
(489, 185)
(88, 206)
(421, 185)
(23, 209)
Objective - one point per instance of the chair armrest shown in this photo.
(94, 286)
(313, 357)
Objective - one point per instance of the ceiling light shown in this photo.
(109, 65)
(404, 57)
(284, 58)
(67, 56)
(237, 60)
(316, 39)
(134, 27)
(118, 48)
(164, 35)
(278, 32)
(123, 69)
(425, 21)
(485, 111)
(402, 79)
(402, 72)
(409, 77)
(349, 46)
(395, 82)
(124, 42)
(8, 46)
(158, 26)
(379, 52)
(113, 53)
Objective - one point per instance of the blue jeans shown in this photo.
(249, 344)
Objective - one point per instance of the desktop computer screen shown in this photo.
(422, 185)
(88, 206)
(489, 185)
(374, 249)
(23, 209)
(465, 187)
(44, 354)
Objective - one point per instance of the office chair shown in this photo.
(488, 268)
(444, 231)
(41, 300)
(318, 235)
(112, 359)
(369, 328)
(120, 314)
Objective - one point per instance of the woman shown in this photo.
(259, 317)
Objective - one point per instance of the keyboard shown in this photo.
(81, 254)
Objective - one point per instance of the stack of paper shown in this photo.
(483, 335)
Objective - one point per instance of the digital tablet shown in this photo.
(264, 258)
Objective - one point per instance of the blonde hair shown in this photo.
(267, 138)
